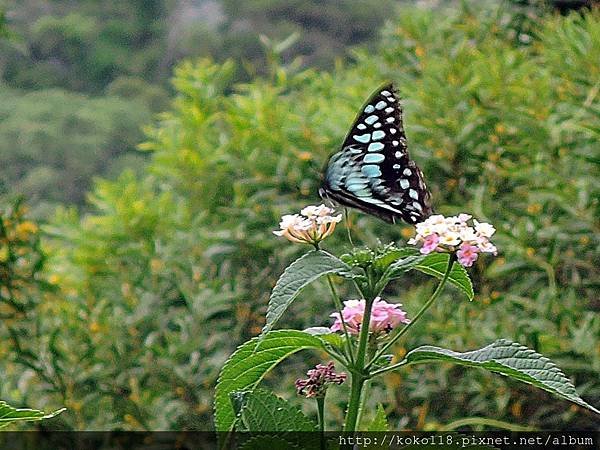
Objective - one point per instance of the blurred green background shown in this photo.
(148, 148)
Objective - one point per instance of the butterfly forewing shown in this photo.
(373, 171)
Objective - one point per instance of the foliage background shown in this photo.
(128, 308)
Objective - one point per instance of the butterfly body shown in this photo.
(373, 171)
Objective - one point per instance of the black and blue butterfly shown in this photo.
(373, 171)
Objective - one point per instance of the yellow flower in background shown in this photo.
(25, 229)
(4, 253)
(305, 156)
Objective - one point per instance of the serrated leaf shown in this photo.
(250, 363)
(510, 359)
(379, 422)
(435, 264)
(297, 276)
(9, 414)
(264, 411)
(391, 256)
(404, 264)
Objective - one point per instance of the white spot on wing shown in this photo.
(371, 119)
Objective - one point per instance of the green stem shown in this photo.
(358, 381)
(358, 374)
(339, 307)
(484, 421)
(388, 368)
(321, 415)
(414, 320)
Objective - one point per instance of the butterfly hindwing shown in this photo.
(373, 171)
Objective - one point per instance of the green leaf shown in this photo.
(507, 358)
(264, 411)
(435, 264)
(379, 422)
(390, 255)
(404, 265)
(9, 414)
(298, 275)
(249, 364)
(327, 336)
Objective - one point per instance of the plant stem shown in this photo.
(321, 415)
(354, 404)
(358, 375)
(484, 421)
(339, 307)
(422, 311)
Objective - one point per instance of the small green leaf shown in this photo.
(326, 335)
(264, 411)
(389, 255)
(379, 422)
(297, 276)
(507, 358)
(250, 363)
(435, 264)
(404, 265)
(9, 414)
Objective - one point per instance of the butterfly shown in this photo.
(373, 171)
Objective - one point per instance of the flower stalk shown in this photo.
(422, 311)
(321, 418)
(358, 375)
(338, 307)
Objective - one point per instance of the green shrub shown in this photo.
(53, 142)
(172, 269)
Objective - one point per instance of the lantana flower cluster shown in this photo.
(455, 234)
(384, 316)
(311, 226)
(318, 379)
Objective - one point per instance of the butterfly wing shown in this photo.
(373, 171)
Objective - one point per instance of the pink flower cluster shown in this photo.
(311, 226)
(384, 316)
(449, 234)
(318, 379)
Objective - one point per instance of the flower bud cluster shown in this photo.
(318, 379)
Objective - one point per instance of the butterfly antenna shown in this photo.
(348, 225)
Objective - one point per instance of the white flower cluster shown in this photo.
(439, 233)
(311, 226)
